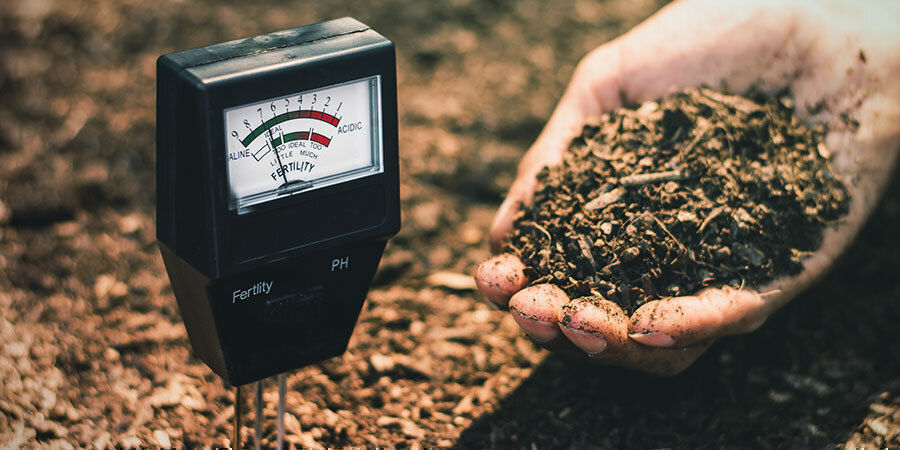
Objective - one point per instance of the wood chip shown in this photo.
(451, 280)
(649, 178)
(605, 199)
(709, 217)
(586, 251)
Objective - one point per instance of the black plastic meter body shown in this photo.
(277, 190)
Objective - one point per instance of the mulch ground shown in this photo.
(93, 352)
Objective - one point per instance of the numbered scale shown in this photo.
(282, 146)
(277, 190)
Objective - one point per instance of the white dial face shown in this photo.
(303, 141)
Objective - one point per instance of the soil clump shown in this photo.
(699, 189)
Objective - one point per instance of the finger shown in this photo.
(595, 325)
(519, 194)
(545, 152)
(682, 321)
(593, 90)
(600, 328)
(500, 277)
(657, 361)
(535, 309)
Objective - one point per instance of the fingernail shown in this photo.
(653, 338)
(536, 329)
(590, 341)
(494, 294)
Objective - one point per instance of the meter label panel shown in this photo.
(303, 141)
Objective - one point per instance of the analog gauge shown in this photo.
(303, 141)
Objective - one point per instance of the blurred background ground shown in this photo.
(93, 352)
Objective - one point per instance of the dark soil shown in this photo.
(93, 353)
(701, 189)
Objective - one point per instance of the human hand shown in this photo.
(840, 61)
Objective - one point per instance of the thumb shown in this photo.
(593, 90)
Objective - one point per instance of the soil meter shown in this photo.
(277, 190)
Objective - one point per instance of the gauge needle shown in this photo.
(277, 156)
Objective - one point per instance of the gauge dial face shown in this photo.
(303, 141)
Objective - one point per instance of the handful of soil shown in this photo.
(700, 189)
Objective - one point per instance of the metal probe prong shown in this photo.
(282, 382)
(236, 442)
(259, 415)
